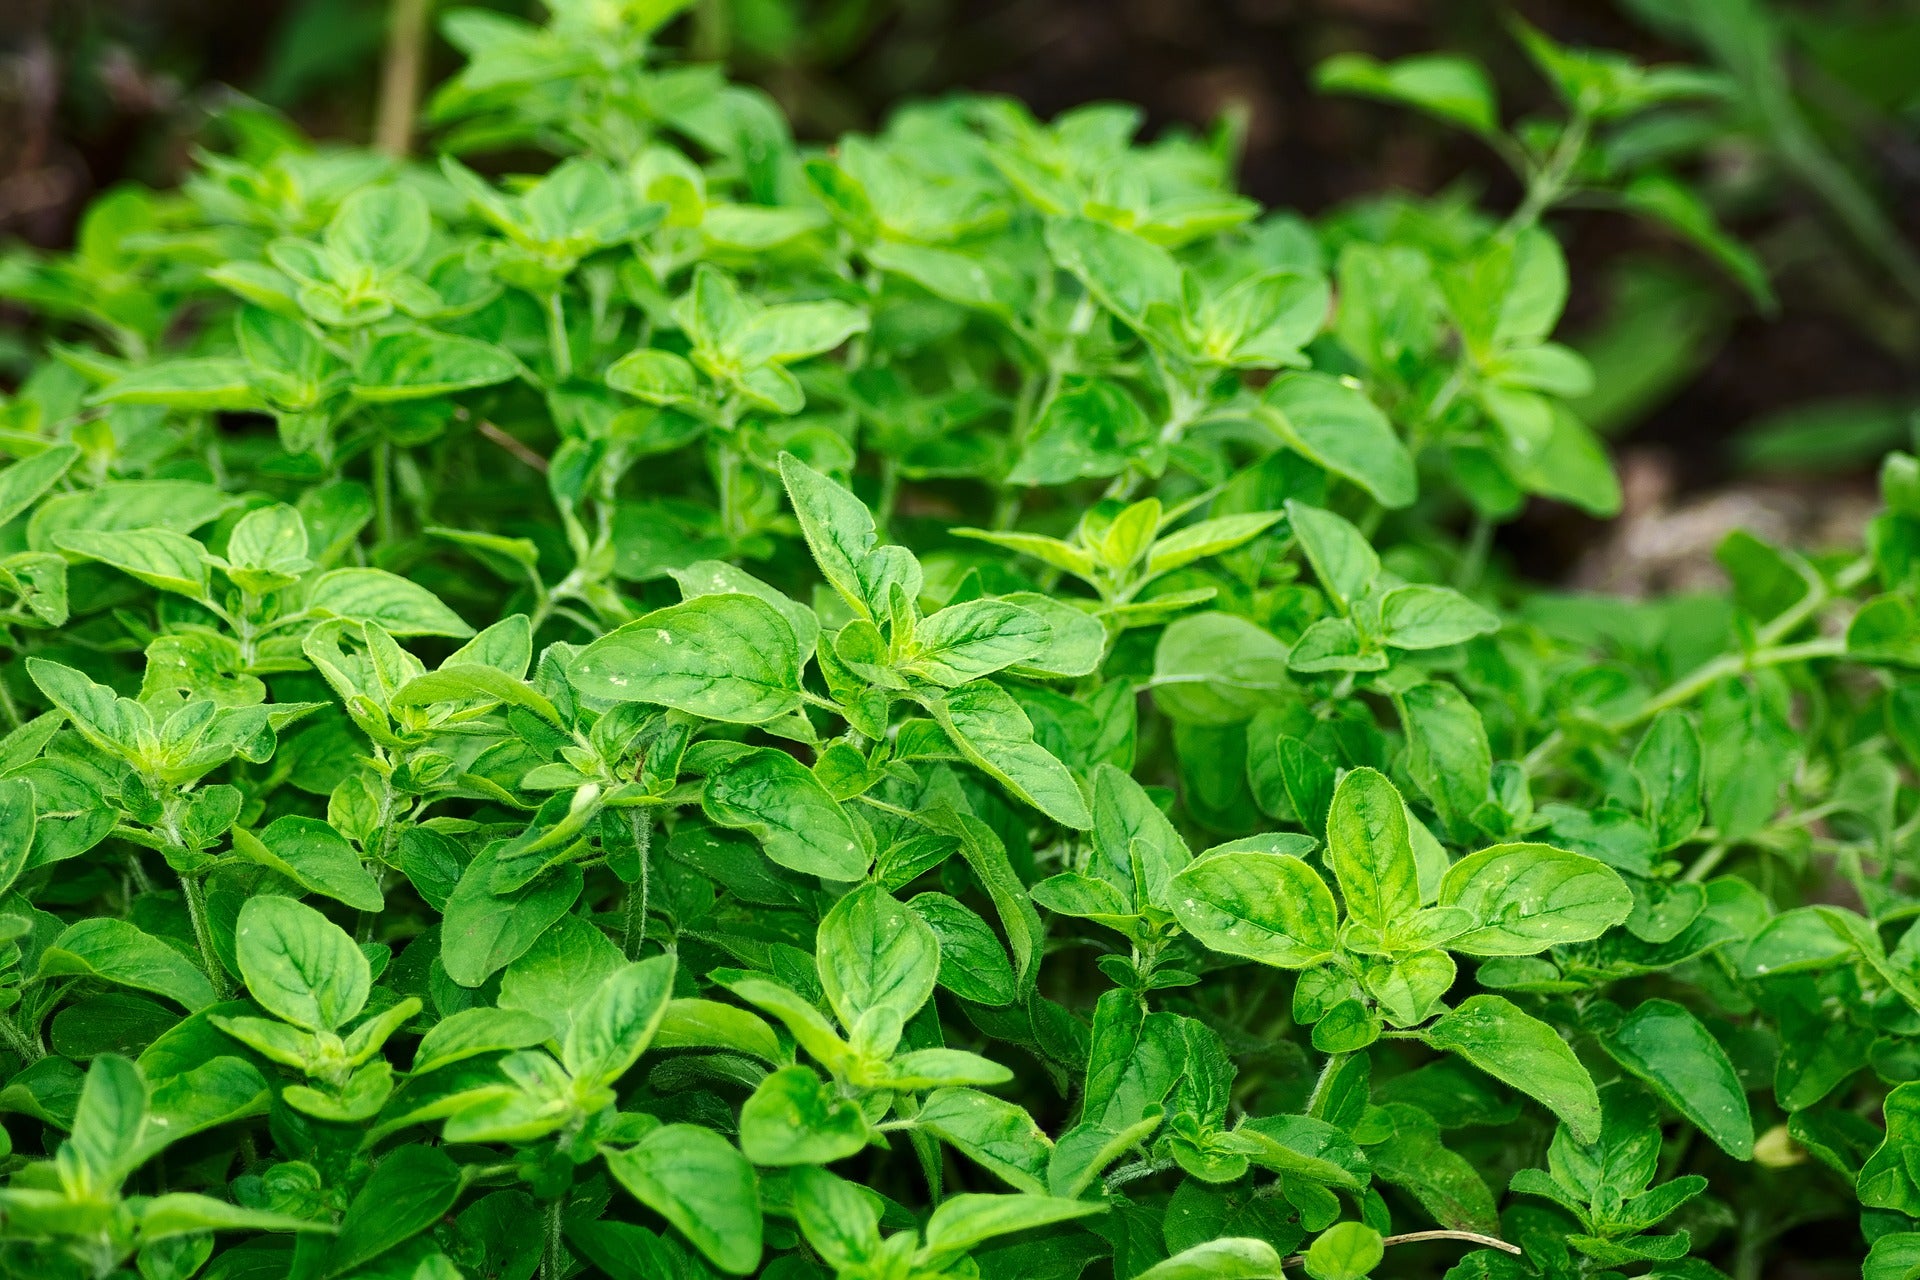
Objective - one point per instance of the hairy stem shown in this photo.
(634, 928)
(20, 1042)
(196, 899)
(554, 1264)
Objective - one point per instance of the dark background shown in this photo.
(1798, 404)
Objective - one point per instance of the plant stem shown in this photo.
(23, 1044)
(1546, 186)
(383, 490)
(203, 933)
(558, 346)
(553, 1265)
(1689, 687)
(400, 76)
(1719, 669)
(634, 930)
(8, 707)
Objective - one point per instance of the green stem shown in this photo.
(634, 929)
(1547, 185)
(8, 707)
(1732, 664)
(553, 1265)
(203, 933)
(1685, 690)
(557, 344)
(383, 491)
(23, 1044)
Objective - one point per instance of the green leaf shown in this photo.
(1448, 754)
(385, 228)
(1668, 764)
(658, 377)
(1128, 275)
(299, 965)
(203, 383)
(407, 1193)
(797, 821)
(839, 531)
(795, 1118)
(1528, 897)
(1334, 424)
(1664, 1045)
(396, 606)
(160, 558)
(119, 952)
(988, 727)
(475, 1031)
(30, 477)
(618, 1021)
(1093, 427)
(1263, 906)
(1511, 1046)
(963, 1221)
(469, 681)
(875, 954)
(1370, 852)
(1218, 669)
(997, 1134)
(965, 641)
(314, 856)
(708, 1024)
(699, 1182)
(723, 657)
(839, 1219)
(483, 932)
(1345, 1251)
(1423, 617)
(1454, 89)
(1342, 558)
(422, 364)
(1229, 1258)
(17, 822)
(107, 1123)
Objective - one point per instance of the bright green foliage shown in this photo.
(590, 723)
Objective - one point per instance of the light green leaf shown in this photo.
(1529, 897)
(1423, 617)
(1332, 423)
(314, 856)
(158, 557)
(1370, 851)
(797, 821)
(119, 952)
(397, 606)
(421, 364)
(873, 953)
(1263, 906)
(299, 965)
(1664, 1045)
(1494, 1035)
(699, 1182)
(963, 642)
(724, 657)
(795, 1118)
(989, 729)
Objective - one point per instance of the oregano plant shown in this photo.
(926, 705)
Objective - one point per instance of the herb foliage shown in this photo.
(914, 709)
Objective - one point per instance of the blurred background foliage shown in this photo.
(1775, 412)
